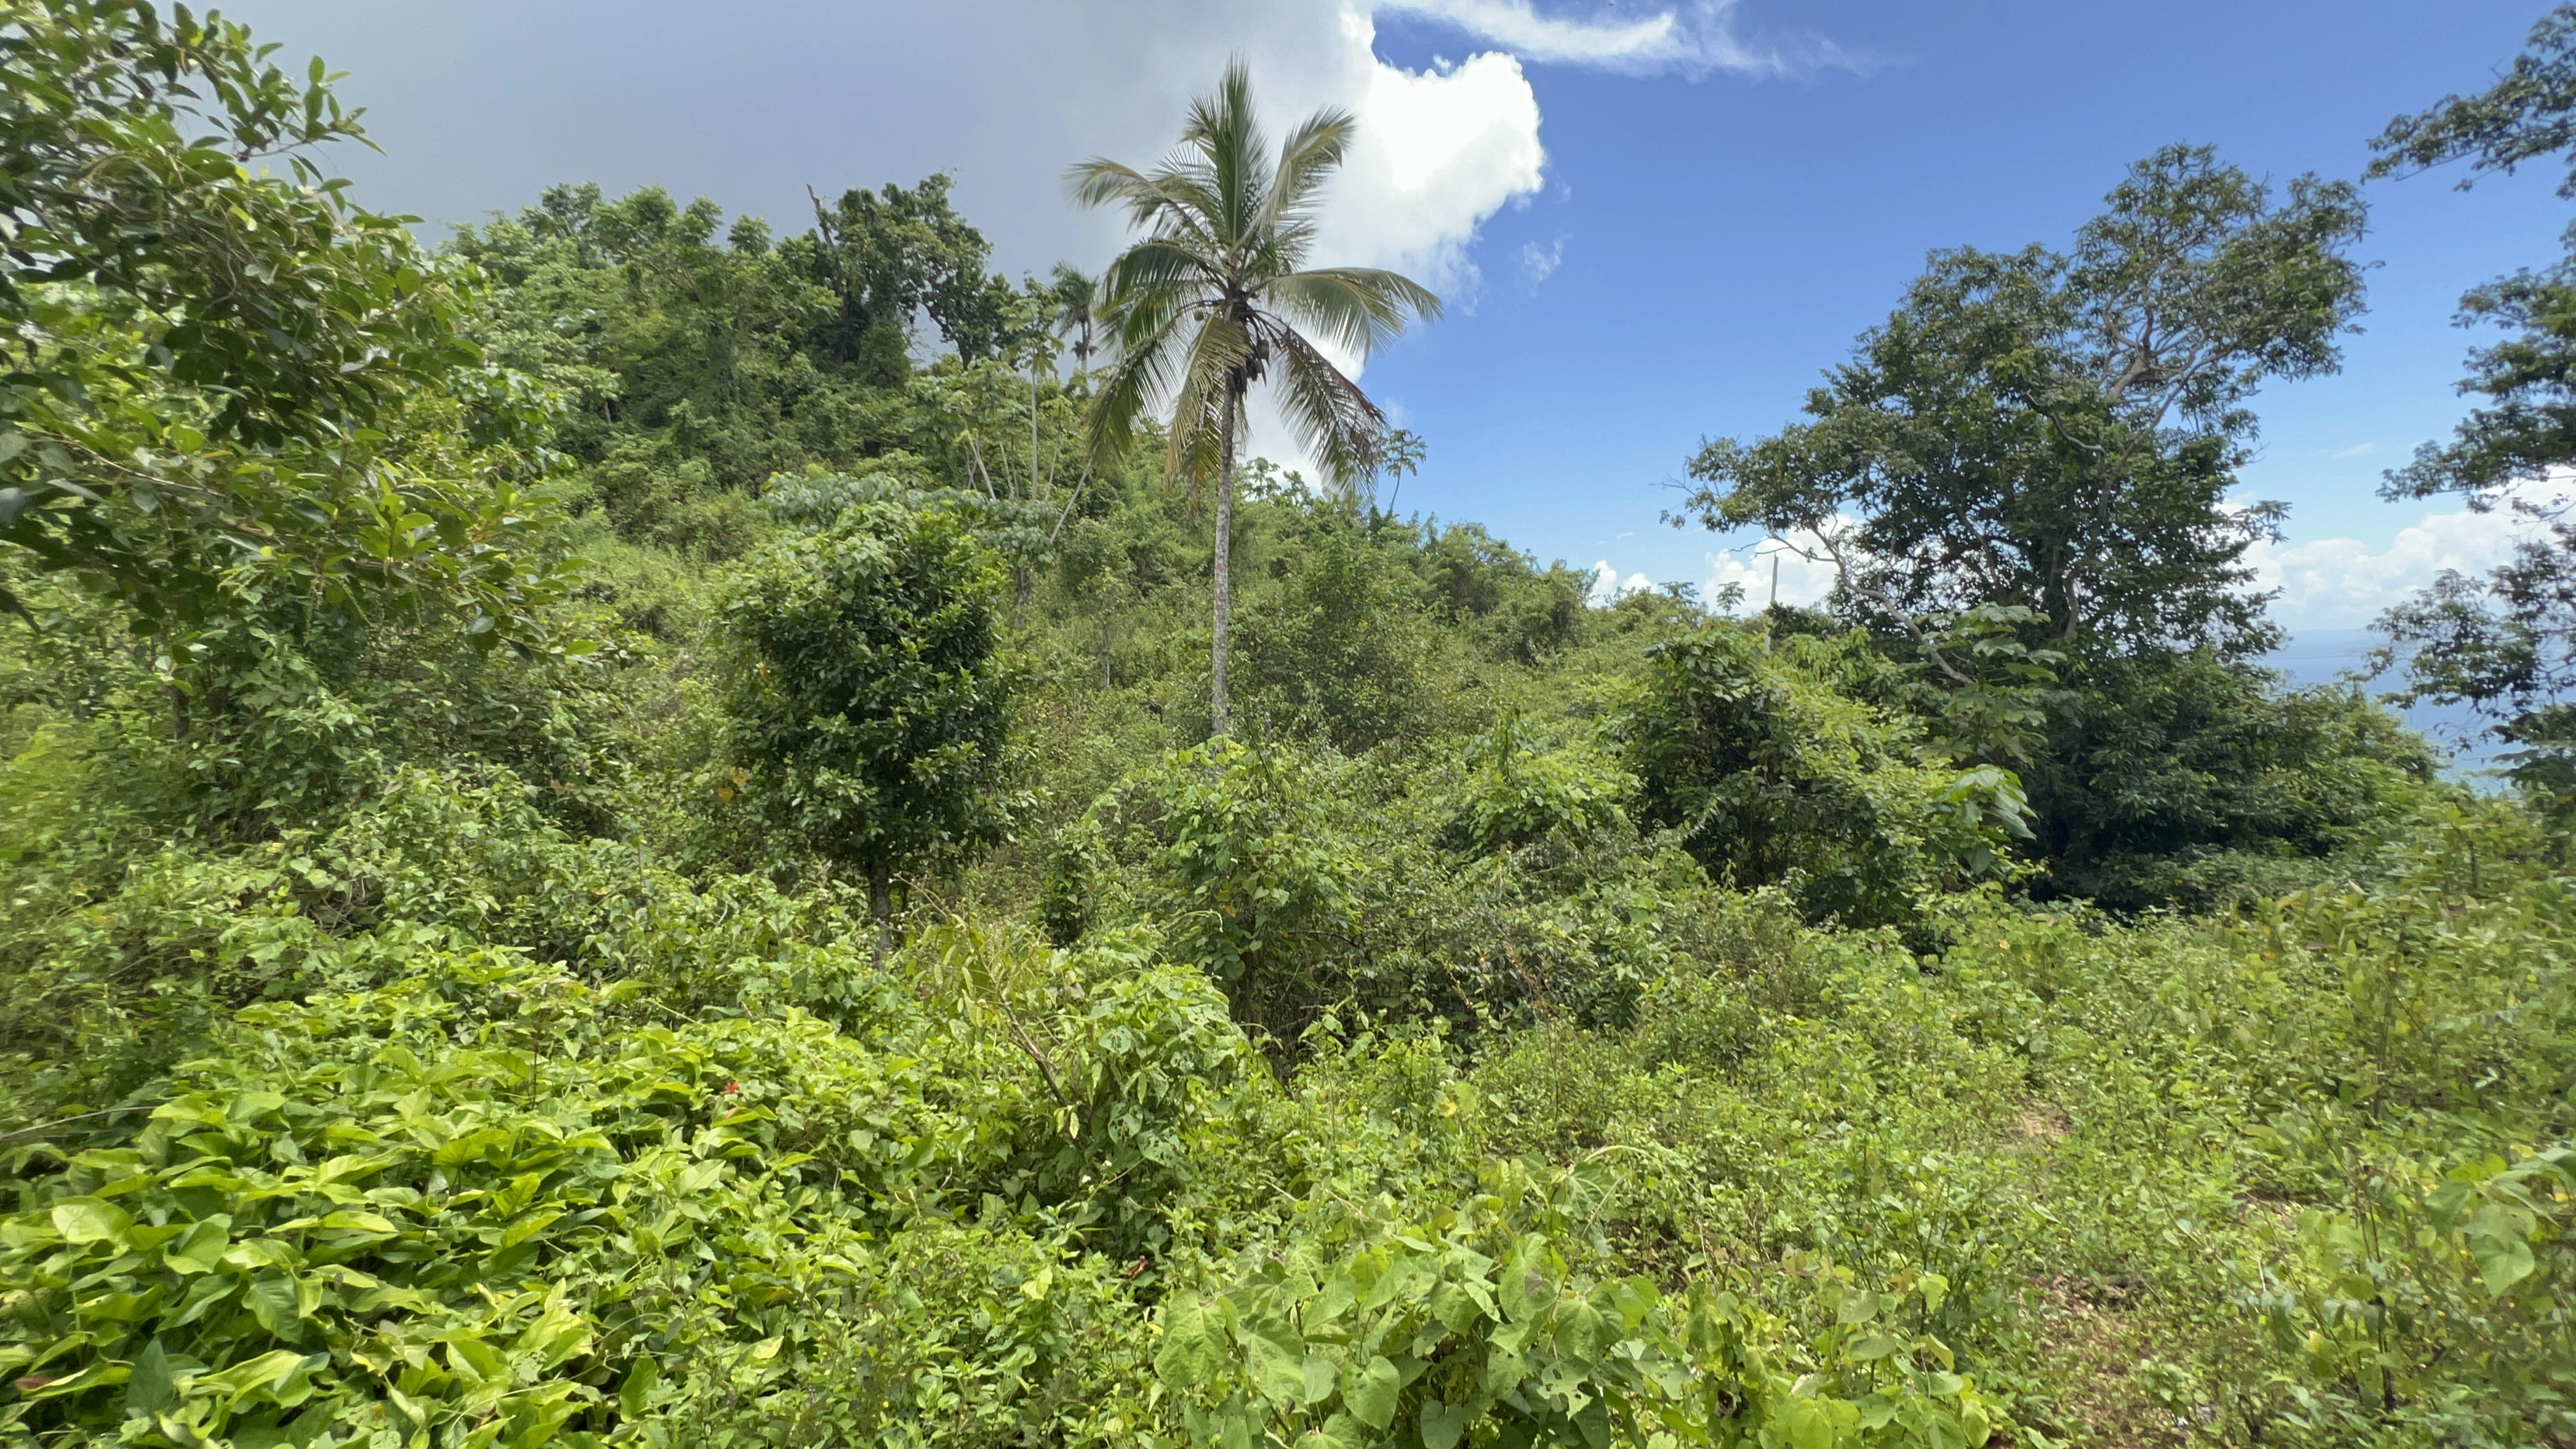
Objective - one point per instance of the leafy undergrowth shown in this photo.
(711, 1175)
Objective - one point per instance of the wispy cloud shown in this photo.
(1518, 25)
(2355, 451)
(1538, 261)
(1693, 39)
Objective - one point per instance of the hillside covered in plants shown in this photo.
(625, 828)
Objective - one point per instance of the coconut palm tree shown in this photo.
(1216, 298)
(1073, 302)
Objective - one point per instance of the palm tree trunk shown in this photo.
(1223, 575)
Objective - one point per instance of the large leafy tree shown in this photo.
(889, 253)
(2505, 643)
(2059, 432)
(869, 703)
(1216, 297)
(641, 318)
(222, 384)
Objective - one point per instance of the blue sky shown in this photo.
(1656, 224)
(1725, 238)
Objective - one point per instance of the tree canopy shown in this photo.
(2060, 432)
(866, 701)
(2505, 643)
(217, 375)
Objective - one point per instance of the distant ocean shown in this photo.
(2340, 656)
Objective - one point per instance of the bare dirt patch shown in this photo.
(2038, 1124)
(2091, 1341)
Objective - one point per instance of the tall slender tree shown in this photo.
(1073, 298)
(1216, 297)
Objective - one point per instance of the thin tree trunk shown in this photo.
(1224, 577)
(881, 906)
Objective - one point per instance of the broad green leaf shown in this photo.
(1634, 1297)
(1193, 1351)
(1337, 1298)
(258, 1253)
(151, 1389)
(1277, 1358)
(1808, 1425)
(2502, 1262)
(1526, 1290)
(274, 1301)
(1320, 1377)
(275, 1375)
(1871, 1347)
(1593, 1422)
(529, 1226)
(475, 1359)
(1579, 1330)
(1453, 1307)
(100, 1374)
(123, 1307)
(1442, 1424)
(1373, 1392)
(201, 1250)
(637, 1391)
(87, 1220)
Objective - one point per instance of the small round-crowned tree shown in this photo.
(869, 703)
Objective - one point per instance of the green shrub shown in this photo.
(1771, 777)
(493, 1198)
(2193, 781)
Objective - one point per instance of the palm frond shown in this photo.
(1327, 413)
(1146, 345)
(1359, 309)
(1124, 394)
(1206, 384)
(1161, 268)
(1215, 295)
(1224, 133)
(1306, 160)
(1102, 182)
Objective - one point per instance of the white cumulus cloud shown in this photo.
(1438, 151)
(1607, 589)
(2322, 583)
(1002, 94)
(1518, 24)
(2344, 583)
(1804, 577)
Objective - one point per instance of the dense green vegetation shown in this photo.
(625, 830)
